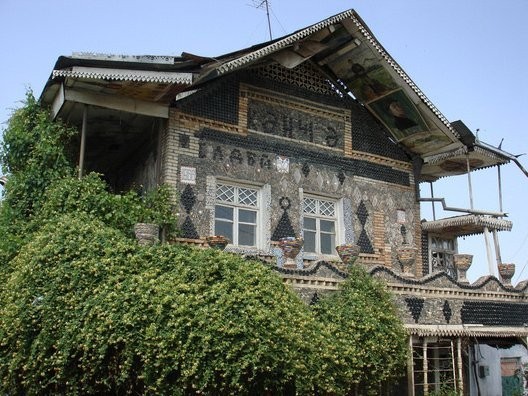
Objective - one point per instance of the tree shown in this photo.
(368, 338)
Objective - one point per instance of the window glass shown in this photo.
(309, 241)
(247, 216)
(223, 212)
(246, 235)
(224, 228)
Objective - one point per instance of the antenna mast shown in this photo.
(261, 4)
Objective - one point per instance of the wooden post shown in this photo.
(410, 369)
(469, 182)
(497, 247)
(454, 366)
(500, 187)
(488, 252)
(460, 372)
(83, 141)
(425, 368)
(432, 201)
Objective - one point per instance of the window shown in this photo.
(320, 219)
(236, 214)
(442, 252)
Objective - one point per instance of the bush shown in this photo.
(88, 311)
(90, 196)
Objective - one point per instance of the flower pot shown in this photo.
(290, 247)
(462, 264)
(146, 233)
(348, 253)
(217, 241)
(407, 257)
(506, 272)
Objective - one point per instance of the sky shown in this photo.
(468, 56)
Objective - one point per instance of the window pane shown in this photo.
(328, 244)
(247, 216)
(224, 228)
(309, 206)
(327, 208)
(246, 235)
(223, 212)
(225, 193)
(247, 196)
(309, 224)
(327, 226)
(309, 241)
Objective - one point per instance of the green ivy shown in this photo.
(90, 196)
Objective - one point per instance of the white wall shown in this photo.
(485, 355)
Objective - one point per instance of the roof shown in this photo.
(466, 225)
(341, 47)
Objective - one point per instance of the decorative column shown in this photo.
(146, 233)
(462, 264)
(407, 257)
(506, 272)
(218, 242)
(290, 247)
(348, 253)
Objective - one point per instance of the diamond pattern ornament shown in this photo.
(320, 180)
(356, 194)
(362, 214)
(341, 176)
(306, 169)
(297, 175)
(447, 311)
(415, 306)
(364, 242)
(188, 230)
(187, 198)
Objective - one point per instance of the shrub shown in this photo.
(88, 311)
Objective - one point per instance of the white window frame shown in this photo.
(236, 205)
(338, 224)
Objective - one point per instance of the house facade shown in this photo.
(319, 135)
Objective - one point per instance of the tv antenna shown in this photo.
(264, 4)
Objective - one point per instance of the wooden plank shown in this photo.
(117, 103)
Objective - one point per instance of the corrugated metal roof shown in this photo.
(125, 75)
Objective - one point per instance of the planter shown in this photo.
(506, 272)
(462, 264)
(290, 247)
(348, 253)
(407, 257)
(146, 233)
(217, 241)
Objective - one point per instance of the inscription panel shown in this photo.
(286, 117)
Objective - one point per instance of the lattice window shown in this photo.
(304, 76)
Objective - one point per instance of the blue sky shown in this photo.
(468, 56)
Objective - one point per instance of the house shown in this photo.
(319, 135)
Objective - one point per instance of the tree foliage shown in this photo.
(86, 310)
(368, 338)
